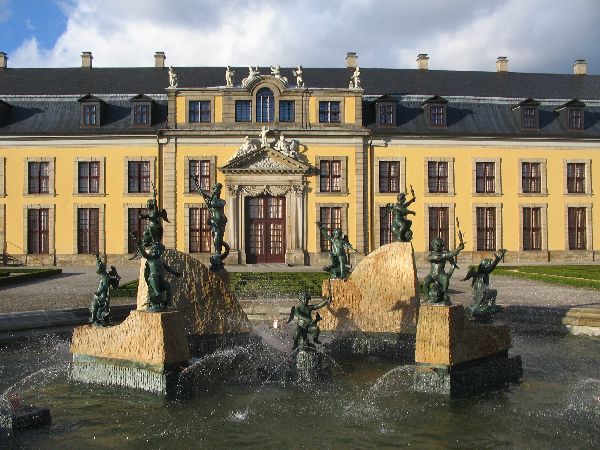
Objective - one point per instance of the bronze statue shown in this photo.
(306, 325)
(217, 222)
(400, 224)
(159, 289)
(484, 298)
(154, 229)
(339, 266)
(435, 285)
(100, 307)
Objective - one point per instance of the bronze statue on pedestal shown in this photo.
(306, 324)
(484, 298)
(401, 231)
(100, 307)
(217, 222)
(339, 258)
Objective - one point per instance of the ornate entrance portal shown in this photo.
(265, 229)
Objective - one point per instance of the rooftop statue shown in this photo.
(435, 285)
(401, 231)
(159, 289)
(276, 72)
(355, 79)
(246, 147)
(286, 147)
(264, 131)
(306, 324)
(217, 223)
(298, 74)
(484, 298)
(339, 266)
(253, 72)
(229, 74)
(173, 79)
(100, 307)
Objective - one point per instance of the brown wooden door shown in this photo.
(265, 230)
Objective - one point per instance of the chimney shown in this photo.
(502, 64)
(3, 60)
(423, 61)
(580, 67)
(86, 60)
(159, 60)
(351, 60)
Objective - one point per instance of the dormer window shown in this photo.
(141, 110)
(141, 114)
(91, 109)
(385, 110)
(90, 115)
(435, 112)
(575, 119)
(529, 118)
(529, 114)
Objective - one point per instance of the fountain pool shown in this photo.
(557, 405)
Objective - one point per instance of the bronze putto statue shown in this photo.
(216, 222)
(435, 285)
(306, 324)
(401, 231)
(100, 307)
(484, 298)
(339, 258)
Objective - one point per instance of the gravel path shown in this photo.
(74, 289)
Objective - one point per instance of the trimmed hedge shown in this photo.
(258, 284)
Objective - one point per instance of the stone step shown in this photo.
(587, 322)
(583, 312)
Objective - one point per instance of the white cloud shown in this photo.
(537, 35)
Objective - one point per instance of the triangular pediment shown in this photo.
(265, 160)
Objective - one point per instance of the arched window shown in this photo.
(265, 105)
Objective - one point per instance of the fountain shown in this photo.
(394, 356)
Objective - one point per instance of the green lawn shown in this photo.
(15, 275)
(259, 285)
(587, 276)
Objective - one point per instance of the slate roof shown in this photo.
(63, 117)
(42, 115)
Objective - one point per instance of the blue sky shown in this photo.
(23, 19)
(535, 35)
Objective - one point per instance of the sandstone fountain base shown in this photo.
(147, 351)
(375, 310)
(212, 317)
(455, 356)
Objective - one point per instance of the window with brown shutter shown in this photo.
(38, 231)
(200, 233)
(577, 228)
(330, 176)
(486, 228)
(531, 177)
(437, 176)
(389, 176)
(576, 178)
(439, 224)
(88, 230)
(532, 228)
(485, 177)
(331, 219)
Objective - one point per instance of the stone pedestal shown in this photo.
(203, 297)
(455, 356)
(310, 366)
(376, 304)
(147, 351)
(380, 296)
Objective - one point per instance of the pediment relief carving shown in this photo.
(265, 160)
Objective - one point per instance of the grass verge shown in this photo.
(258, 285)
(587, 276)
(19, 275)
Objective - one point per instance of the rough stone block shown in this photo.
(381, 295)
(145, 337)
(203, 297)
(446, 337)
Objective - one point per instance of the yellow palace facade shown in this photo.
(513, 156)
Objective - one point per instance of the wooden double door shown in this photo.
(265, 229)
